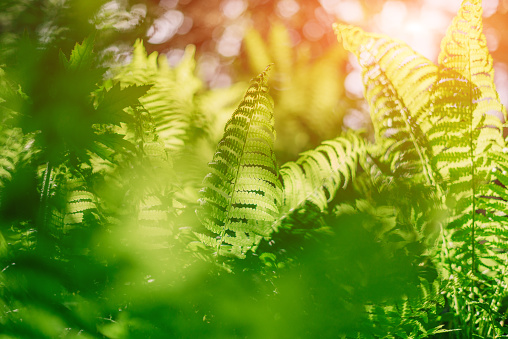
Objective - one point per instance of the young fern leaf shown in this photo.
(14, 146)
(170, 101)
(451, 117)
(493, 232)
(70, 199)
(494, 201)
(468, 108)
(156, 196)
(397, 84)
(240, 200)
(467, 126)
(466, 135)
(464, 50)
(318, 174)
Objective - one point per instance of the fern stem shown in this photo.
(424, 159)
(493, 301)
(42, 227)
(473, 181)
(447, 254)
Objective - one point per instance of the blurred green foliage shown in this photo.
(101, 164)
(309, 93)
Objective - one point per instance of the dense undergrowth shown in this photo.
(114, 226)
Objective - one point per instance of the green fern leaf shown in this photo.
(77, 203)
(493, 200)
(110, 108)
(155, 210)
(466, 138)
(170, 101)
(14, 149)
(242, 193)
(69, 200)
(398, 83)
(318, 174)
(466, 117)
(301, 84)
(464, 50)
(467, 111)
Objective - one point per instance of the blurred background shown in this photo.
(218, 28)
(122, 269)
(235, 39)
(316, 85)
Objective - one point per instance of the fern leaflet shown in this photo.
(467, 126)
(242, 193)
(397, 109)
(318, 174)
(170, 101)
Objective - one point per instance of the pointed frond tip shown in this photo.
(242, 193)
(464, 50)
(347, 33)
(340, 28)
(263, 76)
(397, 85)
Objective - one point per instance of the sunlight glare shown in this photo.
(329, 5)
(347, 10)
(489, 7)
(231, 40)
(287, 8)
(165, 27)
(208, 66)
(114, 14)
(434, 19)
(492, 36)
(232, 9)
(419, 29)
(175, 56)
(186, 26)
(313, 31)
(393, 15)
(421, 39)
(501, 81)
(450, 6)
(353, 82)
(168, 4)
(355, 119)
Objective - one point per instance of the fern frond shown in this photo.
(464, 50)
(242, 193)
(493, 221)
(156, 202)
(318, 174)
(78, 202)
(307, 90)
(421, 315)
(467, 110)
(466, 136)
(154, 185)
(398, 83)
(70, 199)
(466, 120)
(14, 149)
(170, 101)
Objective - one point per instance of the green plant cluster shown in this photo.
(308, 90)
(114, 226)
